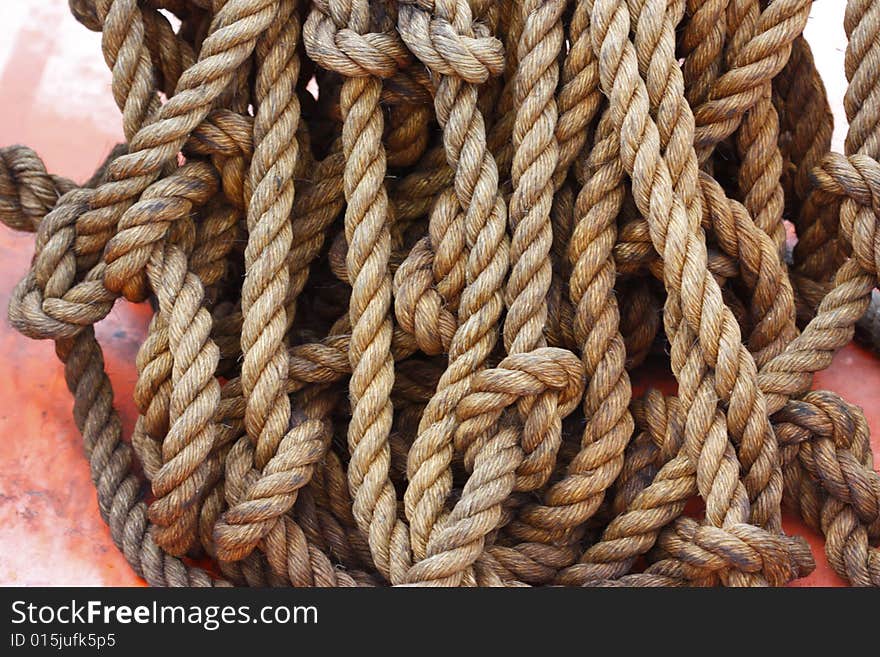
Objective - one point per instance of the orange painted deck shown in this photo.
(56, 98)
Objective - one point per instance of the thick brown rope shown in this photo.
(395, 324)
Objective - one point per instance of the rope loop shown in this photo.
(445, 38)
(338, 37)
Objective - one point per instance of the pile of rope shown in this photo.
(405, 257)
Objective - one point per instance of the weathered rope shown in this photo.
(404, 258)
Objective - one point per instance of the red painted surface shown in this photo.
(57, 99)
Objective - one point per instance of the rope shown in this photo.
(405, 259)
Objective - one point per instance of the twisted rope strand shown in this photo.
(364, 213)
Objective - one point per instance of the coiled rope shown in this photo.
(404, 257)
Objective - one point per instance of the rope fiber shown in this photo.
(404, 258)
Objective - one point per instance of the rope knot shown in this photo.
(223, 133)
(739, 548)
(146, 223)
(443, 35)
(547, 384)
(337, 37)
(525, 375)
(835, 450)
(534, 372)
(227, 138)
(418, 306)
(855, 178)
(48, 303)
(27, 191)
(266, 496)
